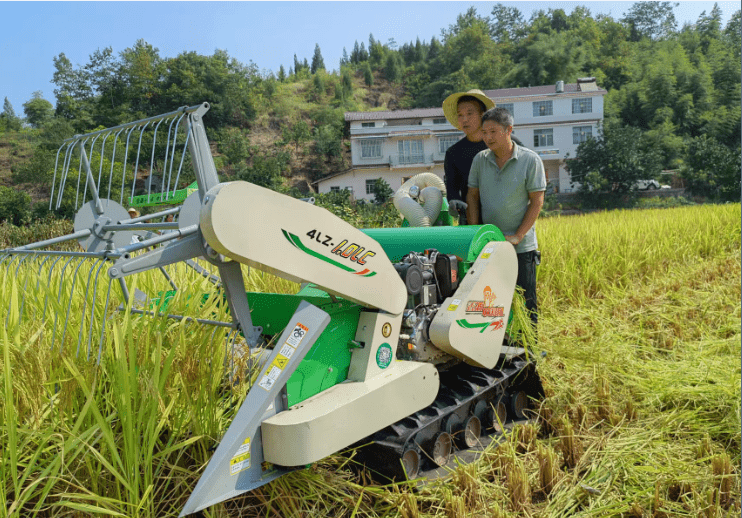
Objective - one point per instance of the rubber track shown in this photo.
(462, 390)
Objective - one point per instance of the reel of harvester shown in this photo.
(96, 176)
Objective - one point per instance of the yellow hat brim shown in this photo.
(450, 105)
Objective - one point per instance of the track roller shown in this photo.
(411, 463)
(470, 433)
(518, 404)
(439, 448)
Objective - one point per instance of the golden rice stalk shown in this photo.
(516, 480)
(723, 478)
(454, 505)
(408, 505)
(705, 447)
(548, 470)
(569, 444)
(525, 437)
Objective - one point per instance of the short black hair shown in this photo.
(471, 99)
(499, 115)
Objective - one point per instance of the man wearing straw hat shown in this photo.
(464, 111)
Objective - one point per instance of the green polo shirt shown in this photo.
(503, 193)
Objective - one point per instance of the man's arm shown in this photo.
(472, 209)
(535, 202)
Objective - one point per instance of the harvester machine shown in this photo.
(397, 339)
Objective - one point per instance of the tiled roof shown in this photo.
(396, 114)
(542, 90)
(581, 86)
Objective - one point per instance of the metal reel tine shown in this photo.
(48, 283)
(92, 306)
(34, 258)
(103, 322)
(20, 262)
(59, 294)
(84, 307)
(69, 304)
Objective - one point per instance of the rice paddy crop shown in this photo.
(640, 319)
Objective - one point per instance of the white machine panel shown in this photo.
(300, 242)
(471, 324)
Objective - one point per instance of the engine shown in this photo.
(430, 277)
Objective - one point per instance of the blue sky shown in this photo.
(266, 33)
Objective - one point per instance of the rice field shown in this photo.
(640, 320)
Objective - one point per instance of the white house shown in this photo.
(396, 145)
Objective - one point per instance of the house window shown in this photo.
(543, 138)
(368, 124)
(371, 148)
(439, 121)
(334, 188)
(410, 151)
(581, 134)
(370, 186)
(543, 108)
(446, 142)
(584, 105)
(509, 107)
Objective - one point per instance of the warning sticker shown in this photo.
(277, 365)
(241, 459)
(239, 463)
(487, 252)
(244, 448)
(287, 350)
(454, 304)
(297, 335)
(266, 382)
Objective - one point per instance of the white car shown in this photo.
(647, 185)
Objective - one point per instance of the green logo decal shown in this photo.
(496, 324)
(294, 240)
(384, 355)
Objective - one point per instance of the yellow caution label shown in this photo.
(241, 459)
(280, 362)
(454, 304)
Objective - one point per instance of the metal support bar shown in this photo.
(179, 250)
(55, 240)
(234, 286)
(140, 226)
(163, 238)
(91, 180)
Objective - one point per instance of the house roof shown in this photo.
(585, 84)
(396, 114)
(582, 85)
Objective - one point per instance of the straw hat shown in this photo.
(134, 211)
(450, 104)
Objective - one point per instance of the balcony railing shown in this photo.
(410, 159)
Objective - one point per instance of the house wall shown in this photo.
(393, 166)
(356, 179)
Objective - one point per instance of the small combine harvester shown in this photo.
(396, 341)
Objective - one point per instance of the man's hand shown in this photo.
(514, 239)
(456, 207)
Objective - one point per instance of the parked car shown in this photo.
(647, 185)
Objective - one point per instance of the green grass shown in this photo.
(640, 319)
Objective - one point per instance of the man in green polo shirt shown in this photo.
(507, 182)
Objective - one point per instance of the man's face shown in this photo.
(496, 135)
(469, 116)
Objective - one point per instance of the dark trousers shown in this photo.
(527, 262)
